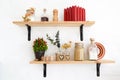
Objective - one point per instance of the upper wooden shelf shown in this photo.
(72, 62)
(54, 23)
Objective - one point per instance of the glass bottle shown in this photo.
(79, 51)
(93, 50)
(44, 16)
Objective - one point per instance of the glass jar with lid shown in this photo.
(44, 16)
(93, 50)
(79, 51)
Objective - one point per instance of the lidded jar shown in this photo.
(79, 51)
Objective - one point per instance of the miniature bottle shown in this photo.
(93, 50)
(44, 16)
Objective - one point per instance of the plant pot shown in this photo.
(39, 55)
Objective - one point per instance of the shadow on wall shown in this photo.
(0, 71)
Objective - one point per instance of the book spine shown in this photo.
(78, 13)
(84, 15)
(70, 14)
(65, 16)
(75, 14)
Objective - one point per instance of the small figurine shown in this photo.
(29, 14)
(55, 15)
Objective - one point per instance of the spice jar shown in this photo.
(44, 16)
(79, 51)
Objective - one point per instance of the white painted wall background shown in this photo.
(16, 51)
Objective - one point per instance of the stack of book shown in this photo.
(74, 13)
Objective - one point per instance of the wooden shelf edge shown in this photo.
(72, 62)
(55, 23)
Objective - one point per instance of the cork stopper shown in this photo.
(44, 10)
(92, 40)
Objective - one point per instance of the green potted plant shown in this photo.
(39, 47)
(56, 41)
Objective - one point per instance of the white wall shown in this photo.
(16, 52)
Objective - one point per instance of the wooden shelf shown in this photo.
(52, 23)
(98, 63)
(72, 62)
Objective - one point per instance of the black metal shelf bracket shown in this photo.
(44, 70)
(98, 69)
(29, 32)
(81, 32)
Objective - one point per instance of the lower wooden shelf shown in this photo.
(97, 62)
(72, 62)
